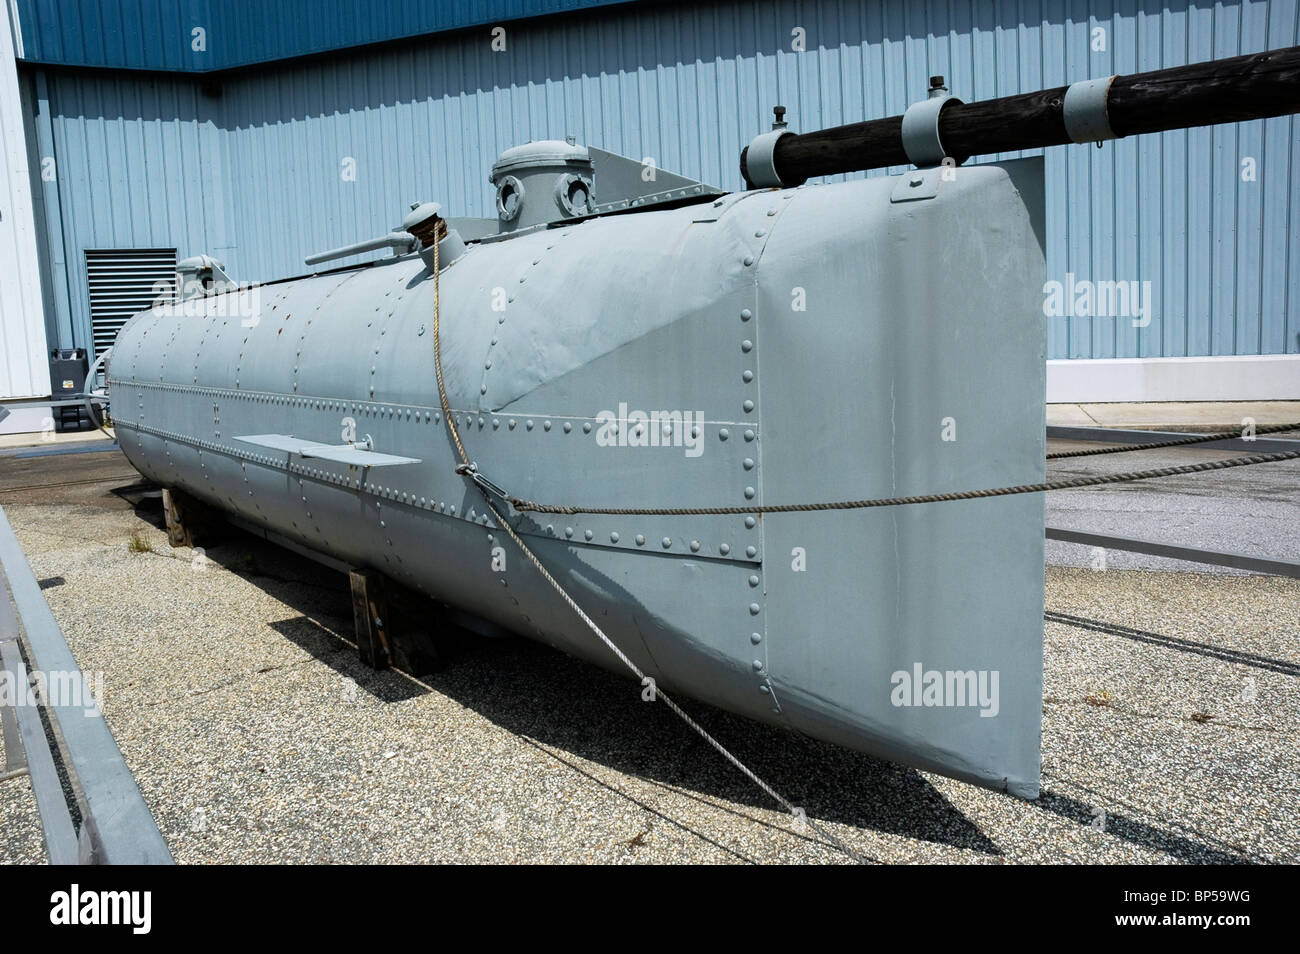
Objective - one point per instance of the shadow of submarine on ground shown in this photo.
(577, 709)
(567, 708)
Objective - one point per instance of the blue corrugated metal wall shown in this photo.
(255, 176)
(138, 164)
(159, 34)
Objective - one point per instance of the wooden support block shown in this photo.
(418, 628)
(190, 522)
(395, 627)
(370, 616)
(178, 534)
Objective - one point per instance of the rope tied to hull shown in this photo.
(1066, 484)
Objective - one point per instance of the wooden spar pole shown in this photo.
(1255, 86)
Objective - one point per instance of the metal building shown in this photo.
(139, 132)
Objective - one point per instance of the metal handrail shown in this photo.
(116, 824)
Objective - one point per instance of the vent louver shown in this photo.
(123, 281)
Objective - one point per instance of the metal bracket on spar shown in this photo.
(920, 134)
(760, 164)
(1084, 110)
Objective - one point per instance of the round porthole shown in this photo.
(573, 195)
(510, 199)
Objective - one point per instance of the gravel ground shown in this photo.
(20, 825)
(1171, 718)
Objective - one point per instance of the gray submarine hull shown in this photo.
(862, 339)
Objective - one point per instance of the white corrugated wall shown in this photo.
(24, 364)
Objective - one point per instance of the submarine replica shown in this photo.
(605, 346)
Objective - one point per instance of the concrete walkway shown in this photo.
(1193, 416)
(52, 438)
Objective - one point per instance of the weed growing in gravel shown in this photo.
(1103, 697)
(138, 544)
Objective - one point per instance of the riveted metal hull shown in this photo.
(813, 344)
